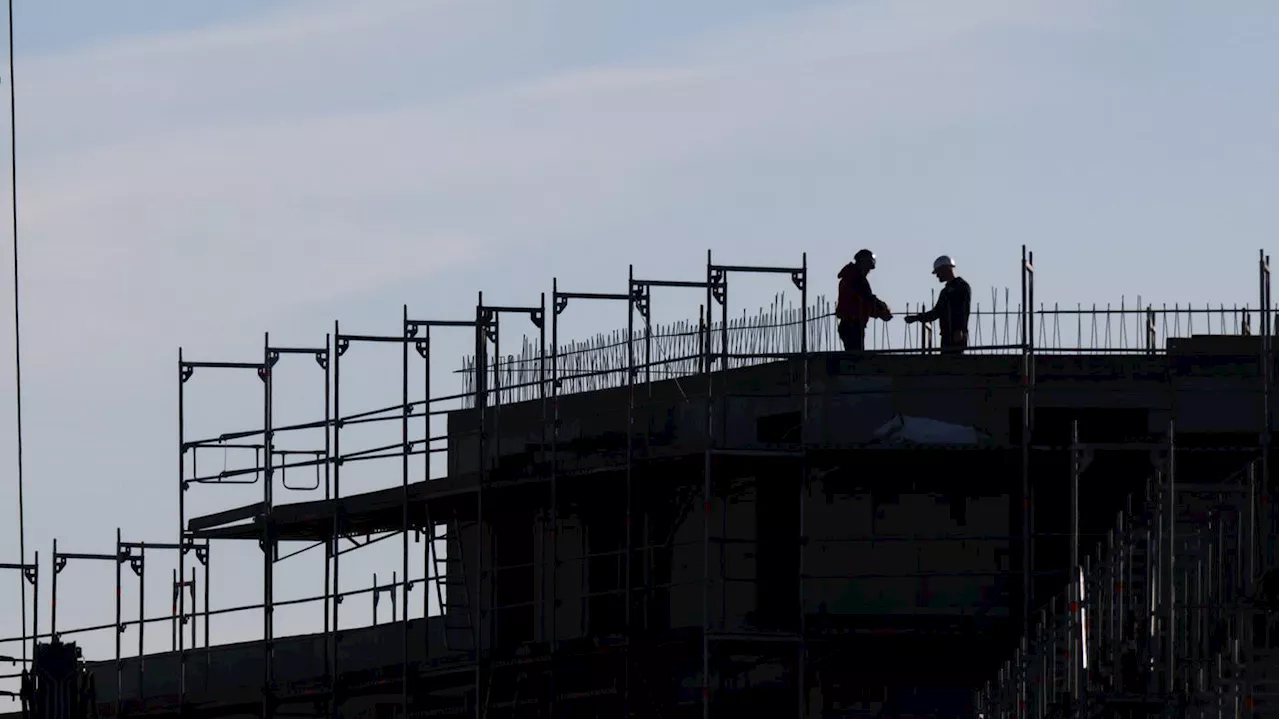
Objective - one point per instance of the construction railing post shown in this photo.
(117, 558)
(268, 543)
(801, 280)
(1028, 381)
(1266, 365)
(482, 403)
(339, 523)
(1171, 633)
(489, 322)
(559, 301)
(1075, 624)
(28, 575)
(406, 448)
(423, 348)
(185, 371)
(640, 294)
(342, 342)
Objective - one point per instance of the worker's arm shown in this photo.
(934, 314)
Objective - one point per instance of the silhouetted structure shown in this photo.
(726, 519)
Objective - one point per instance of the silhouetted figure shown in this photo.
(952, 309)
(856, 304)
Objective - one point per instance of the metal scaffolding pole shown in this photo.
(30, 574)
(640, 293)
(718, 292)
(1266, 366)
(488, 326)
(559, 301)
(802, 673)
(343, 344)
(423, 347)
(1027, 270)
(185, 371)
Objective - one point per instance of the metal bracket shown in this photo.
(719, 288)
(135, 563)
(410, 329)
(560, 303)
(264, 372)
(798, 279)
(489, 319)
(202, 554)
(30, 573)
(640, 297)
(322, 359)
(184, 372)
(536, 316)
(343, 344)
(423, 347)
(59, 564)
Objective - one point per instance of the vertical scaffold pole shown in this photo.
(1266, 366)
(119, 623)
(482, 401)
(182, 517)
(139, 566)
(268, 535)
(53, 597)
(1027, 375)
(1170, 633)
(553, 533)
(405, 448)
(706, 504)
(423, 347)
(328, 545)
(559, 301)
(1073, 608)
(208, 653)
(802, 280)
(707, 493)
(335, 696)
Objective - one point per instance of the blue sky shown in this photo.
(198, 173)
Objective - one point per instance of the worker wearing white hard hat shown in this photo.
(952, 309)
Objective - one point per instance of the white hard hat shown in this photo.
(943, 261)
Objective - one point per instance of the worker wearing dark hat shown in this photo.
(857, 304)
(952, 309)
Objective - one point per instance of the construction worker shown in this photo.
(856, 303)
(952, 309)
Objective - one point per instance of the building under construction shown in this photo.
(732, 518)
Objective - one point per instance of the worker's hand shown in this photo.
(909, 319)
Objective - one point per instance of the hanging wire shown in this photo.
(17, 333)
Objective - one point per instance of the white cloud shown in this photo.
(225, 169)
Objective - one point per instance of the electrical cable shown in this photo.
(17, 332)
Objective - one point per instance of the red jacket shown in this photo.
(856, 302)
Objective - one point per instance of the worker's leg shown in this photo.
(853, 335)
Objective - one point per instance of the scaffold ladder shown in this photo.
(451, 572)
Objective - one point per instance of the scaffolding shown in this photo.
(465, 581)
(1174, 615)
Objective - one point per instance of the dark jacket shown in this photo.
(855, 302)
(951, 313)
